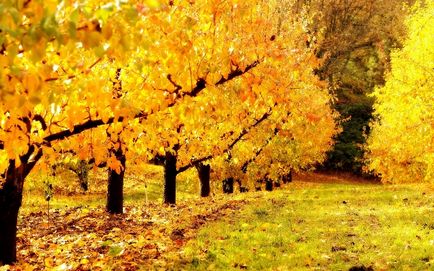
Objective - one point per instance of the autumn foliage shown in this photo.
(182, 80)
(401, 143)
(229, 88)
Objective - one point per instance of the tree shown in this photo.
(296, 137)
(57, 69)
(39, 58)
(354, 38)
(400, 147)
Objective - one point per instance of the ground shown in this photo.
(318, 222)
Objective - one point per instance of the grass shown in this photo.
(314, 223)
(322, 227)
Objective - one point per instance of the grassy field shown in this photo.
(322, 226)
(318, 222)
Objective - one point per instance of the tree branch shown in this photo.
(258, 152)
(229, 147)
(200, 85)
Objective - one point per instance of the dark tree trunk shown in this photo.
(258, 185)
(287, 178)
(277, 184)
(268, 185)
(83, 174)
(170, 173)
(243, 189)
(10, 202)
(11, 195)
(204, 176)
(115, 187)
(228, 186)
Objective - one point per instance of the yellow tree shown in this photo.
(295, 137)
(58, 58)
(354, 38)
(55, 84)
(401, 144)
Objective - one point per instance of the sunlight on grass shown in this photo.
(304, 226)
(327, 227)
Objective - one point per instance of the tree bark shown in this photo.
(10, 202)
(228, 186)
(204, 177)
(287, 178)
(115, 186)
(243, 189)
(170, 173)
(268, 185)
(83, 174)
(11, 195)
(258, 185)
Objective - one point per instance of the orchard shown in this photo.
(239, 95)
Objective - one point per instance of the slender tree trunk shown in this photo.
(228, 186)
(204, 176)
(83, 174)
(258, 185)
(287, 178)
(115, 188)
(170, 173)
(268, 185)
(243, 189)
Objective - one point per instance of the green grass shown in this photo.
(322, 227)
(304, 226)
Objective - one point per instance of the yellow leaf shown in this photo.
(48, 262)
(31, 82)
(153, 3)
(105, 118)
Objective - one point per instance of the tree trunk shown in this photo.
(204, 176)
(228, 186)
(115, 187)
(170, 178)
(287, 178)
(258, 185)
(243, 189)
(11, 195)
(10, 202)
(268, 185)
(83, 174)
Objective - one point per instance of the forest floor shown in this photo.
(317, 222)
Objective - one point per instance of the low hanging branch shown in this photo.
(258, 152)
(230, 146)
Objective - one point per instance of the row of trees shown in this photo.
(181, 84)
(203, 84)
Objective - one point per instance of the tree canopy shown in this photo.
(400, 147)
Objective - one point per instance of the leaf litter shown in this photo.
(148, 237)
